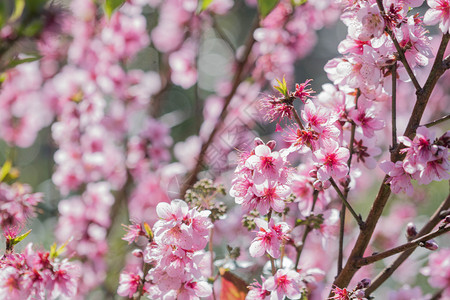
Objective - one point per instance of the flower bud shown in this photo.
(447, 219)
(258, 142)
(359, 294)
(430, 245)
(271, 144)
(318, 185)
(138, 253)
(411, 230)
(363, 284)
(313, 173)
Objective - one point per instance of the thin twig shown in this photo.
(297, 119)
(349, 207)
(306, 232)
(346, 191)
(437, 295)
(241, 63)
(388, 271)
(222, 34)
(410, 245)
(399, 49)
(384, 192)
(436, 122)
(394, 105)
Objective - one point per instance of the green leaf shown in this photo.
(3, 14)
(112, 5)
(149, 231)
(298, 2)
(282, 87)
(203, 4)
(16, 240)
(19, 5)
(4, 171)
(15, 62)
(55, 252)
(266, 6)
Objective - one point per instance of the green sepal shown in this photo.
(19, 238)
(112, 5)
(55, 251)
(266, 6)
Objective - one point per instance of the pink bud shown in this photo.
(138, 253)
(318, 185)
(411, 230)
(447, 219)
(430, 245)
(359, 294)
(258, 142)
(271, 144)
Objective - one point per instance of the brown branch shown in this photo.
(436, 122)
(306, 232)
(399, 49)
(384, 192)
(394, 105)
(346, 191)
(297, 119)
(409, 245)
(345, 202)
(388, 271)
(241, 63)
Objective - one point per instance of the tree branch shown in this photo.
(350, 208)
(410, 245)
(388, 271)
(394, 105)
(192, 176)
(384, 192)
(436, 122)
(306, 232)
(399, 49)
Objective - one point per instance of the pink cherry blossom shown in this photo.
(269, 238)
(285, 283)
(439, 12)
(129, 284)
(332, 160)
(438, 270)
(398, 178)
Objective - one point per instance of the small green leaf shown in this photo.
(16, 240)
(266, 6)
(203, 5)
(4, 171)
(149, 231)
(15, 62)
(19, 5)
(112, 5)
(282, 87)
(55, 252)
(298, 2)
(3, 14)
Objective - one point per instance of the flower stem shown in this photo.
(413, 244)
(306, 232)
(394, 106)
(350, 208)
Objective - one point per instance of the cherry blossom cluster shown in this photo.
(17, 205)
(37, 275)
(438, 270)
(86, 219)
(288, 33)
(261, 179)
(426, 159)
(174, 255)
